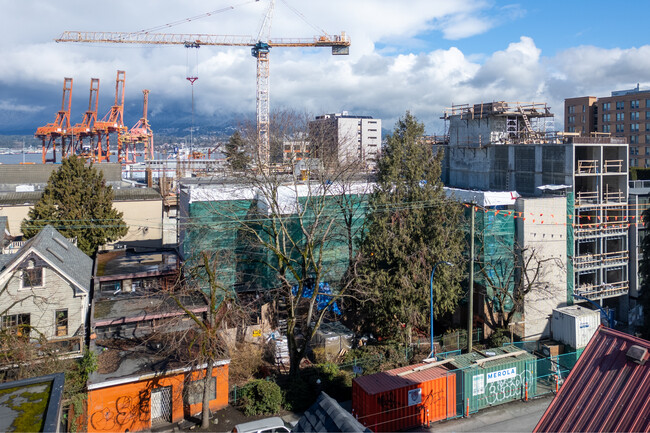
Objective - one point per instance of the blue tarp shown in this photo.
(323, 297)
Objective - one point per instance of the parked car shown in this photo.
(274, 424)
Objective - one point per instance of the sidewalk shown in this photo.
(517, 416)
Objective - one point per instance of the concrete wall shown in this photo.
(15, 215)
(476, 132)
(41, 303)
(144, 219)
(543, 235)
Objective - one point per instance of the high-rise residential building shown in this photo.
(626, 113)
(504, 146)
(345, 138)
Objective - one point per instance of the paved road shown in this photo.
(511, 417)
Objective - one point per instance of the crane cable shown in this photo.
(194, 18)
(192, 76)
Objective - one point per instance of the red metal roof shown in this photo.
(605, 392)
(389, 380)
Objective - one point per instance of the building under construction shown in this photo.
(501, 146)
(103, 139)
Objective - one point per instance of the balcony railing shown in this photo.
(606, 259)
(613, 166)
(587, 166)
(600, 229)
(603, 290)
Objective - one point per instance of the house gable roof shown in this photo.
(326, 415)
(59, 253)
(607, 390)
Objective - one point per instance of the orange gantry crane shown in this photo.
(140, 133)
(260, 49)
(84, 130)
(112, 122)
(59, 130)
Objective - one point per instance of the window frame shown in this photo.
(32, 268)
(57, 325)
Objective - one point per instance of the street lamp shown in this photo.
(433, 348)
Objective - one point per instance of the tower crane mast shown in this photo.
(260, 49)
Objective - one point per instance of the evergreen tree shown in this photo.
(411, 226)
(644, 274)
(236, 154)
(78, 203)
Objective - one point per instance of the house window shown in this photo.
(634, 104)
(634, 150)
(584, 108)
(647, 103)
(620, 117)
(634, 127)
(647, 139)
(634, 139)
(606, 128)
(17, 324)
(571, 129)
(620, 127)
(606, 106)
(572, 109)
(32, 276)
(193, 391)
(61, 318)
(572, 119)
(634, 115)
(620, 105)
(110, 287)
(607, 117)
(633, 162)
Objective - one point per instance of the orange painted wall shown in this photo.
(127, 406)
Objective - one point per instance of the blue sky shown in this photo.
(416, 55)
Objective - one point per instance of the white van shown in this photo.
(267, 425)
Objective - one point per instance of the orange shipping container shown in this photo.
(137, 403)
(404, 397)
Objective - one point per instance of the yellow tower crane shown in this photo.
(260, 48)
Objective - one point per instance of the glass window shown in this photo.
(607, 106)
(110, 286)
(634, 139)
(620, 105)
(572, 119)
(32, 277)
(620, 127)
(634, 127)
(634, 104)
(571, 129)
(634, 115)
(606, 128)
(647, 115)
(608, 117)
(572, 109)
(61, 317)
(16, 324)
(620, 117)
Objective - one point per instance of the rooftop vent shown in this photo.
(637, 354)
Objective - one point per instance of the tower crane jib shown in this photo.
(260, 49)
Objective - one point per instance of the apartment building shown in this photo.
(343, 138)
(625, 114)
(503, 146)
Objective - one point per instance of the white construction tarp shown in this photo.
(483, 198)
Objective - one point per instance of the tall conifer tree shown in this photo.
(411, 226)
(78, 203)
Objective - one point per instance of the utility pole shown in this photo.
(470, 311)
